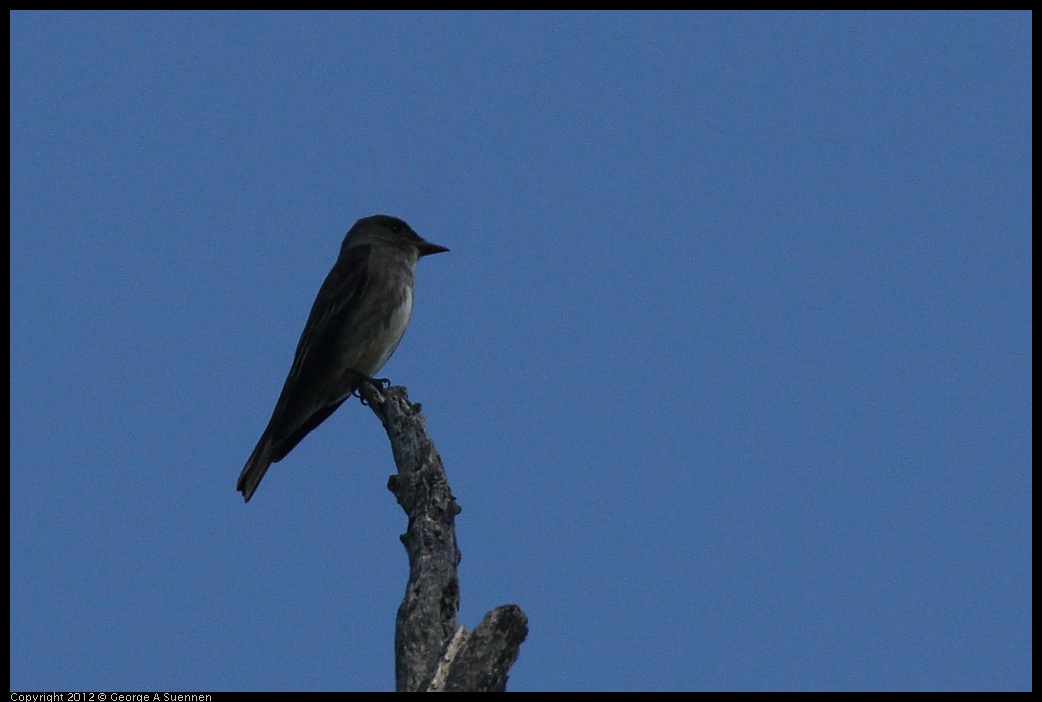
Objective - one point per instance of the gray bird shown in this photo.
(355, 325)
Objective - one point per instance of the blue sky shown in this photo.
(729, 364)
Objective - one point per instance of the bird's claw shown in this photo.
(380, 383)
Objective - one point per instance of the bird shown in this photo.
(355, 324)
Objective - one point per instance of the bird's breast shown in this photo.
(396, 325)
(375, 338)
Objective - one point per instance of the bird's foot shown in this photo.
(380, 383)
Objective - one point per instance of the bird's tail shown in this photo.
(255, 468)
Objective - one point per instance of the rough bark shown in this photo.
(432, 652)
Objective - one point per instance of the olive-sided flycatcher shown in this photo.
(355, 325)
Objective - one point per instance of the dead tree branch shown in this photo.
(432, 652)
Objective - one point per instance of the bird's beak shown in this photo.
(426, 248)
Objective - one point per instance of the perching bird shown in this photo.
(355, 325)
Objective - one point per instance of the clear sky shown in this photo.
(729, 364)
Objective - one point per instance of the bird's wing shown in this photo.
(296, 412)
(344, 284)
